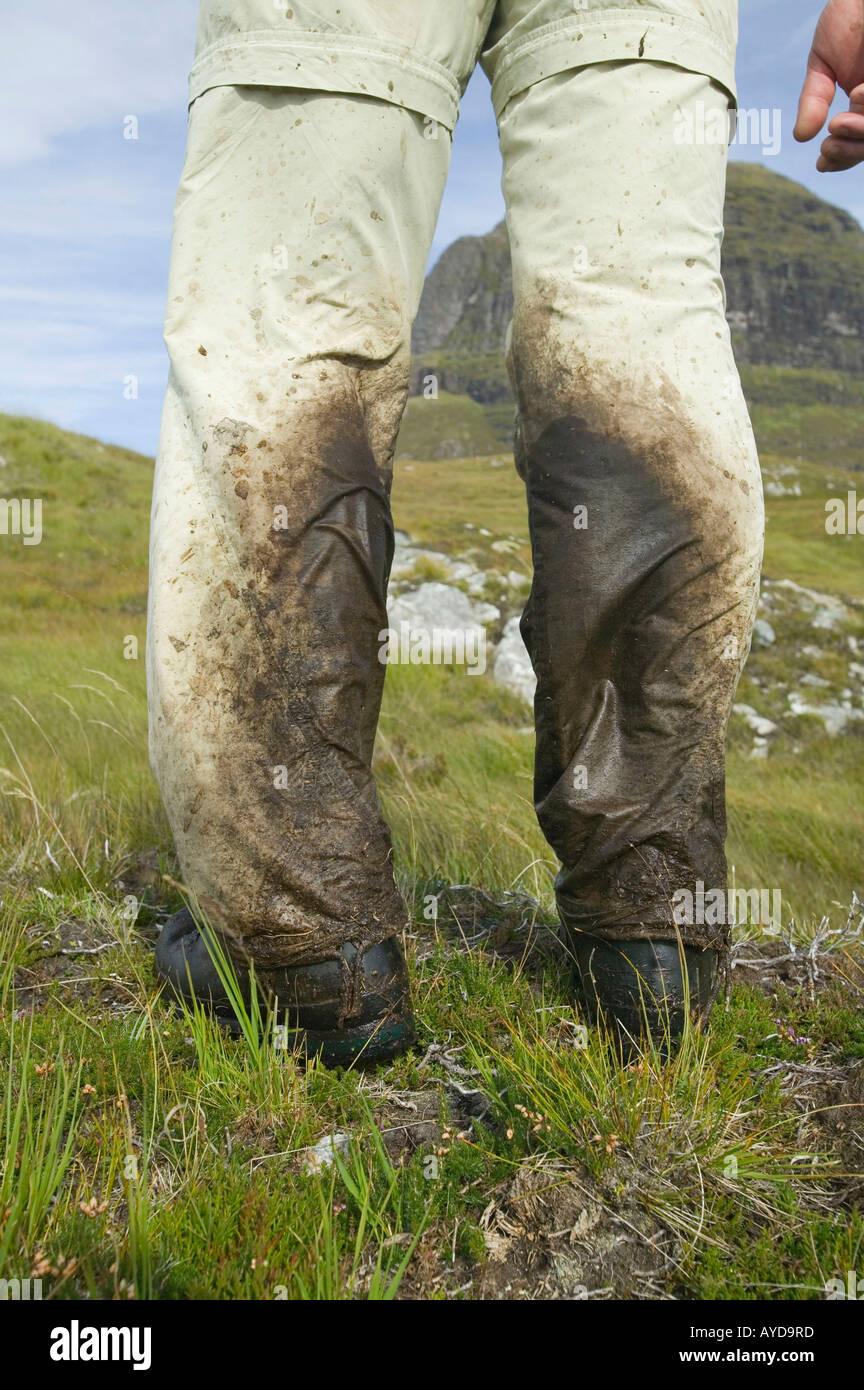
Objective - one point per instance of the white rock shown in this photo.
(834, 717)
(512, 667)
(826, 611)
(763, 633)
(477, 583)
(406, 557)
(457, 570)
(828, 618)
(756, 723)
(321, 1155)
(442, 607)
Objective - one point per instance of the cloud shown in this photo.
(68, 68)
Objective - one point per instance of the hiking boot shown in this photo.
(354, 1006)
(634, 987)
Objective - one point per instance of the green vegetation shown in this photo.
(774, 223)
(802, 414)
(449, 426)
(145, 1154)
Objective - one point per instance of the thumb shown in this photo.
(816, 97)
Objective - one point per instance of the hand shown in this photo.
(836, 59)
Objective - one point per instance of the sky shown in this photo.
(85, 214)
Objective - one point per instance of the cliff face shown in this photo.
(794, 272)
(467, 299)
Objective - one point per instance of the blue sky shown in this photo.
(86, 214)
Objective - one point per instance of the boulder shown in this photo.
(512, 667)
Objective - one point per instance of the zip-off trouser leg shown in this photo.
(301, 236)
(644, 493)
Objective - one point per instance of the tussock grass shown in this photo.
(145, 1153)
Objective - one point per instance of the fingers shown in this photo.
(844, 147)
(816, 97)
(839, 152)
(847, 123)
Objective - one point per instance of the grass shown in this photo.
(806, 415)
(146, 1154)
(450, 426)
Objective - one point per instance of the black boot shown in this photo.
(355, 1006)
(638, 986)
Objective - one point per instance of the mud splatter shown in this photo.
(276, 816)
(558, 1233)
(646, 560)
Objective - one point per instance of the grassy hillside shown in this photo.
(450, 426)
(144, 1155)
(800, 413)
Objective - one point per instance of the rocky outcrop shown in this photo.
(467, 299)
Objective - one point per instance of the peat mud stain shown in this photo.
(278, 823)
(646, 559)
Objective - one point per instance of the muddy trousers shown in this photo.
(302, 231)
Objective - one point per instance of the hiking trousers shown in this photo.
(318, 145)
